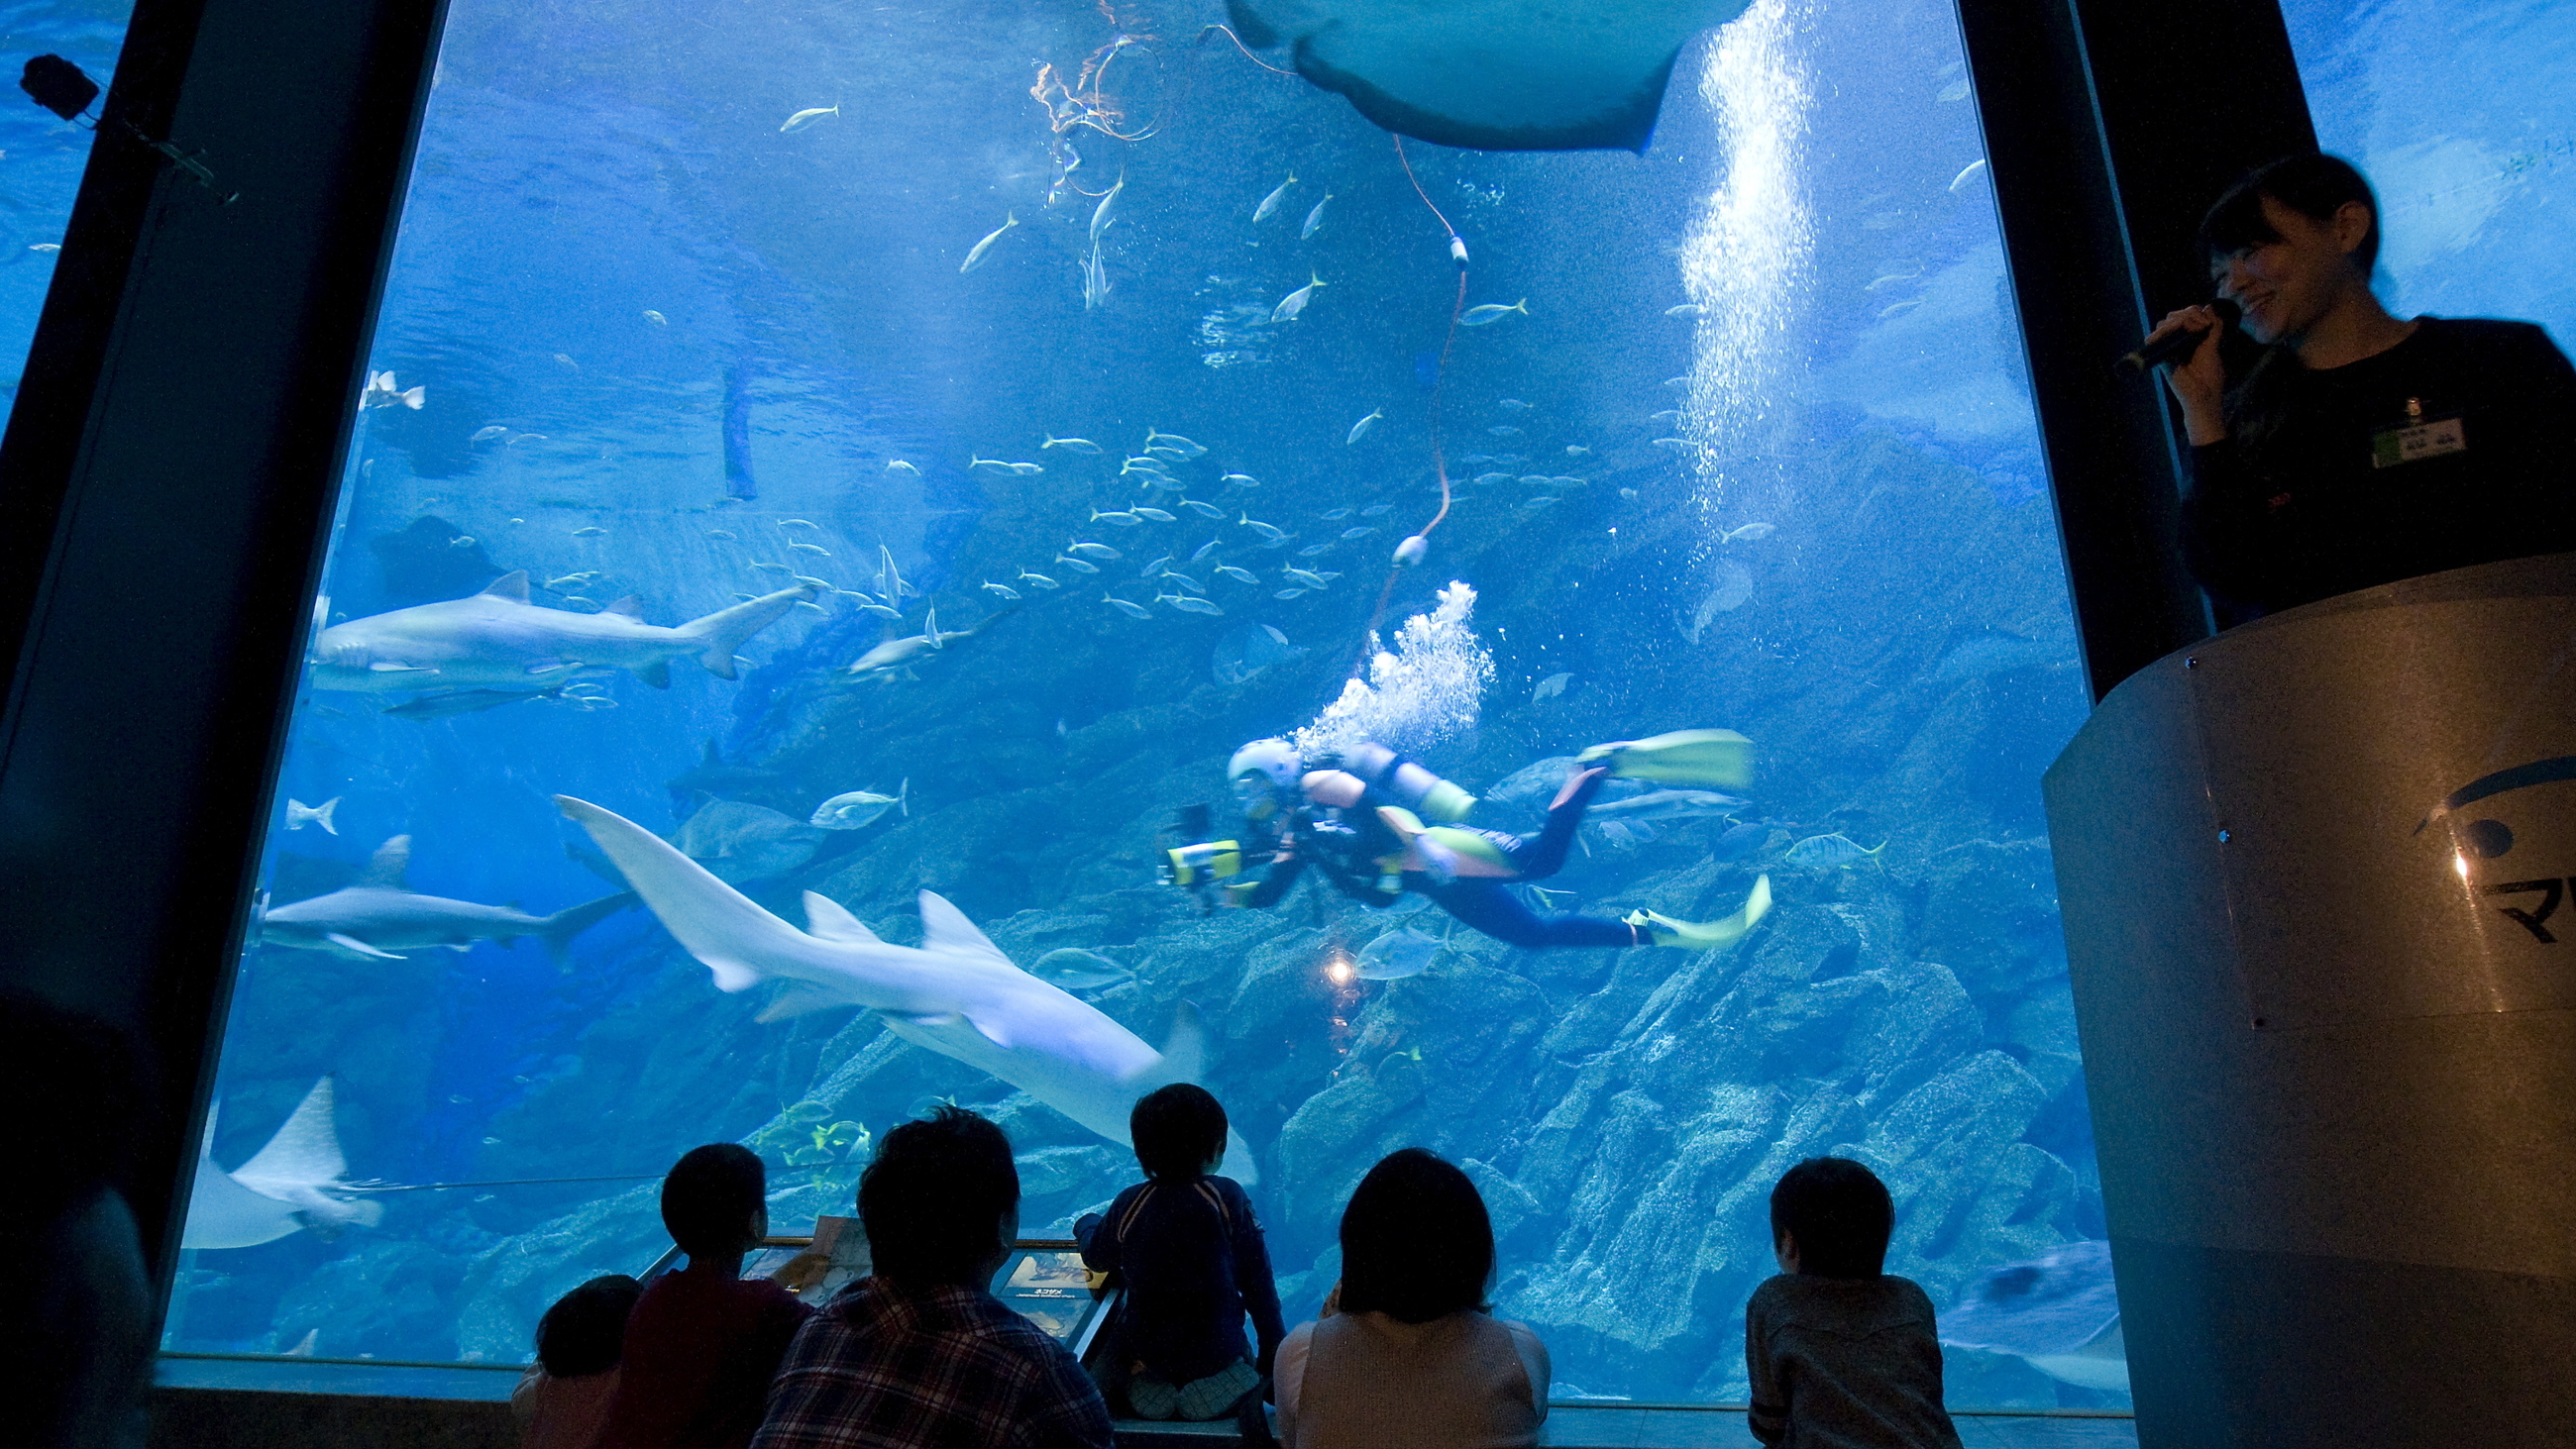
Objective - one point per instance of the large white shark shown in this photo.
(956, 993)
(498, 640)
(287, 1186)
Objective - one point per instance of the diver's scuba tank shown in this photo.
(1406, 783)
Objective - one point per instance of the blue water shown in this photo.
(41, 156)
(686, 321)
(2464, 118)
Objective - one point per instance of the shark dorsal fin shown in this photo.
(946, 931)
(392, 859)
(512, 586)
(829, 920)
(305, 1153)
(632, 606)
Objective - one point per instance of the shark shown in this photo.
(291, 1184)
(377, 919)
(497, 640)
(956, 994)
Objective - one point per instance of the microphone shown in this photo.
(2151, 355)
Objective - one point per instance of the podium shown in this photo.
(2316, 877)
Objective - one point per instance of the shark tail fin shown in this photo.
(903, 797)
(563, 925)
(323, 812)
(716, 636)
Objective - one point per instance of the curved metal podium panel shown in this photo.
(2316, 878)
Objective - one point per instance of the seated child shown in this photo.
(1841, 1356)
(704, 1341)
(562, 1400)
(1191, 1255)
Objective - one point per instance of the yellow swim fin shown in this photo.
(1683, 757)
(1701, 935)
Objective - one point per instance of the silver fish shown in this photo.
(1038, 581)
(1188, 449)
(1071, 445)
(975, 258)
(1204, 550)
(1375, 510)
(1334, 515)
(897, 465)
(1292, 305)
(1514, 404)
(1122, 519)
(1313, 549)
(1156, 514)
(1132, 611)
(1100, 214)
(1492, 312)
(1687, 309)
(1301, 576)
(1271, 202)
(1315, 218)
(1026, 470)
(1240, 480)
(1491, 478)
(1078, 565)
(809, 116)
(1184, 580)
(1361, 428)
(485, 435)
(860, 808)
(1005, 590)
(974, 461)
(1189, 605)
(1264, 529)
(1541, 501)
(1363, 531)
(1241, 576)
(1826, 852)
(813, 548)
(1749, 532)
(1289, 594)
(1204, 510)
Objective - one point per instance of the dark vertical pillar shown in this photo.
(164, 486)
(2110, 127)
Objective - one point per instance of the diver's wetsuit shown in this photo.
(1356, 852)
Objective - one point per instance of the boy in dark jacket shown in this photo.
(1190, 1254)
(1841, 1355)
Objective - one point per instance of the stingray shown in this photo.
(1491, 75)
(290, 1184)
(2057, 1312)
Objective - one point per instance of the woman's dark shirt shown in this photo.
(2306, 498)
(1193, 1261)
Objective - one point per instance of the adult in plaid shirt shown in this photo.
(920, 1354)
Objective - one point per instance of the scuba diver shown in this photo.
(1358, 818)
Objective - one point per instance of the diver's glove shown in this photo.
(1663, 930)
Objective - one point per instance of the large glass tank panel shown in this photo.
(42, 154)
(1046, 396)
(2464, 118)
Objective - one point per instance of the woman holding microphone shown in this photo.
(2357, 448)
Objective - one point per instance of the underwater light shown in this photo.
(1340, 970)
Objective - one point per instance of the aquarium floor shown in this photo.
(292, 1403)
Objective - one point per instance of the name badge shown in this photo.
(2430, 439)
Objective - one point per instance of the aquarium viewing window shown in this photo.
(883, 466)
(41, 154)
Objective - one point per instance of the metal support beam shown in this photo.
(2109, 129)
(165, 483)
